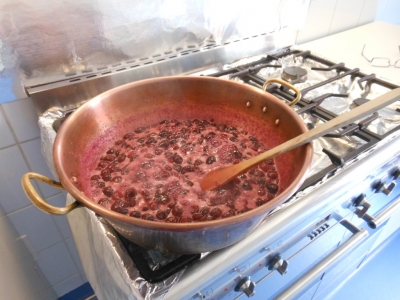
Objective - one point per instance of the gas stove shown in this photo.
(323, 231)
(328, 89)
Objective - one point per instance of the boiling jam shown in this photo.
(154, 172)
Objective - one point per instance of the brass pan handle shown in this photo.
(288, 85)
(38, 201)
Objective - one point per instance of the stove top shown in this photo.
(327, 90)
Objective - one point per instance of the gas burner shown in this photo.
(294, 74)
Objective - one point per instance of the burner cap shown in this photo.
(294, 74)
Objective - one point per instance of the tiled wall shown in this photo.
(37, 253)
(326, 17)
(388, 11)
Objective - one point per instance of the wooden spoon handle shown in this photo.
(221, 176)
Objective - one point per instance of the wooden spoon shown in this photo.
(218, 177)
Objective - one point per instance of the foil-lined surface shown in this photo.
(46, 41)
(48, 135)
(297, 196)
(388, 119)
(108, 266)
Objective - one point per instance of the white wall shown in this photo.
(37, 253)
(38, 257)
(388, 11)
(326, 17)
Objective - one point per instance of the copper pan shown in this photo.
(146, 102)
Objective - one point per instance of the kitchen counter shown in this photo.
(381, 40)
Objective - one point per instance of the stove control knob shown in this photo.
(396, 173)
(277, 263)
(361, 201)
(381, 187)
(246, 286)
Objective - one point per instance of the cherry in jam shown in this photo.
(153, 172)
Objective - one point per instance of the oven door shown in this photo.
(310, 260)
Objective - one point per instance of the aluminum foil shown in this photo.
(48, 135)
(46, 40)
(389, 117)
(108, 267)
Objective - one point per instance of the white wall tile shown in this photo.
(83, 276)
(389, 11)
(22, 280)
(68, 285)
(37, 164)
(13, 167)
(23, 119)
(75, 255)
(381, 10)
(318, 20)
(346, 16)
(61, 221)
(6, 137)
(368, 12)
(48, 294)
(39, 227)
(2, 212)
(12, 248)
(56, 263)
(20, 277)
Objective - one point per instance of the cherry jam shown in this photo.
(154, 172)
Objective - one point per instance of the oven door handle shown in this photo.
(322, 266)
(35, 198)
(383, 215)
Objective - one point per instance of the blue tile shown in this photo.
(6, 84)
(82, 292)
(68, 285)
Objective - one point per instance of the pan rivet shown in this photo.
(277, 122)
(248, 104)
(74, 179)
(264, 109)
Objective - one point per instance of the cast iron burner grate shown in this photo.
(139, 254)
(249, 73)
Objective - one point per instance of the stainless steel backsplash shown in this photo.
(45, 41)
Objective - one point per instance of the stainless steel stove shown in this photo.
(303, 248)
(328, 227)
